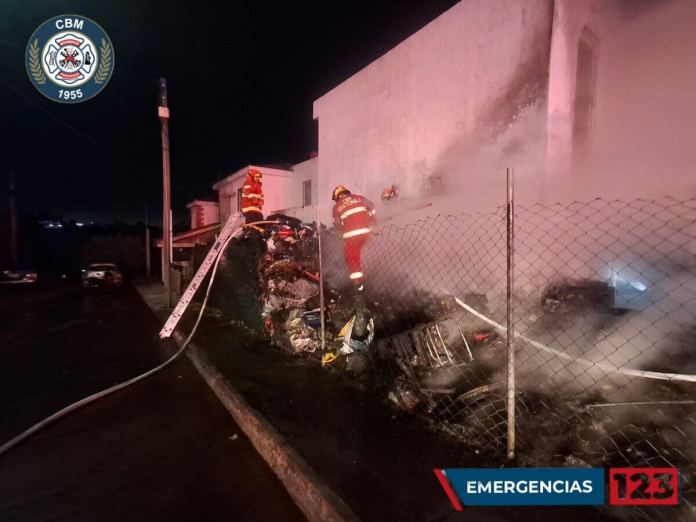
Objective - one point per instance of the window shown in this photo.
(239, 199)
(307, 193)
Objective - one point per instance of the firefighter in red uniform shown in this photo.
(252, 197)
(353, 216)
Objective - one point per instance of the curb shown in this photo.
(314, 498)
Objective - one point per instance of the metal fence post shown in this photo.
(321, 286)
(510, 341)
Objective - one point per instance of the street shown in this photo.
(164, 449)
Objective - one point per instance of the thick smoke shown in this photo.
(623, 215)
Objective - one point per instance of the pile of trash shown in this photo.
(289, 281)
(417, 365)
(436, 363)
(435, 359)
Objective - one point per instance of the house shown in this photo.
(203, 213)
(584, 98)
(304, 208)
(291, 190)
(189, 247)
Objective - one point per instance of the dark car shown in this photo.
(17, 276)
(102, 275)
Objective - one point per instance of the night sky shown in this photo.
(242, 79)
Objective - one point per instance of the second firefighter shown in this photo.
(353, 215)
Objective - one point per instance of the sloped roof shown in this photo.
(189, 237)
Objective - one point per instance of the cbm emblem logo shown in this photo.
(69, 58)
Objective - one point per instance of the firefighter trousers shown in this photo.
(352, 249)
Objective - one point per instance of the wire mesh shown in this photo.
(605, 317)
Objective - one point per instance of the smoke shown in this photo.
(640, 250)
(620, 211)
(451, 241)
(641, 234)
(470, 175)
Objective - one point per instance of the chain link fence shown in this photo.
(604, 307)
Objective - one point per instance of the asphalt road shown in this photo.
(164, 449)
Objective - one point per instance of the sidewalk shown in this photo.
(379, 463)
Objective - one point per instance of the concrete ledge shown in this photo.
(316, 500)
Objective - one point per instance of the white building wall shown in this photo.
(569, 19)
(641, 140)
(454, 84)
(645, 126)
(203, 213)
(281, 189)
(211, 214)
(305, 171)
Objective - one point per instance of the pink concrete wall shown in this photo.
(569, 19)
(203, 213)
(643, 145)
(455, 84)
(641, 142)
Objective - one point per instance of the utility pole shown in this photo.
(163, 112)
(14, 251)
(148, 271)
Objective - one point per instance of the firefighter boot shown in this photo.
(362, 319)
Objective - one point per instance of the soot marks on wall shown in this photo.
(585, 93)
(528, 85)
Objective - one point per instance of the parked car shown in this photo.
(102, 275)
(18, 276)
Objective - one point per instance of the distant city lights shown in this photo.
(51, 224)
(56, 224)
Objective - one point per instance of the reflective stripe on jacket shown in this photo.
(252, 195)
(353, 214)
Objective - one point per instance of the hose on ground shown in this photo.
(7, 446)
(605, 367)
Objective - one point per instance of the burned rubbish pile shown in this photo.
(435, 359)
(439, 361)
(446, 355)
(430, 355)
(288, 275)
(288, 281)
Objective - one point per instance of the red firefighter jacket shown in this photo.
(353, 214)
(252, 196)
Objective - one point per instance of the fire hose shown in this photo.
(99, 395)
(609, 368)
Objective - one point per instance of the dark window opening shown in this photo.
(307, 193)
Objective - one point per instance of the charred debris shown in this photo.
(433, 359)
